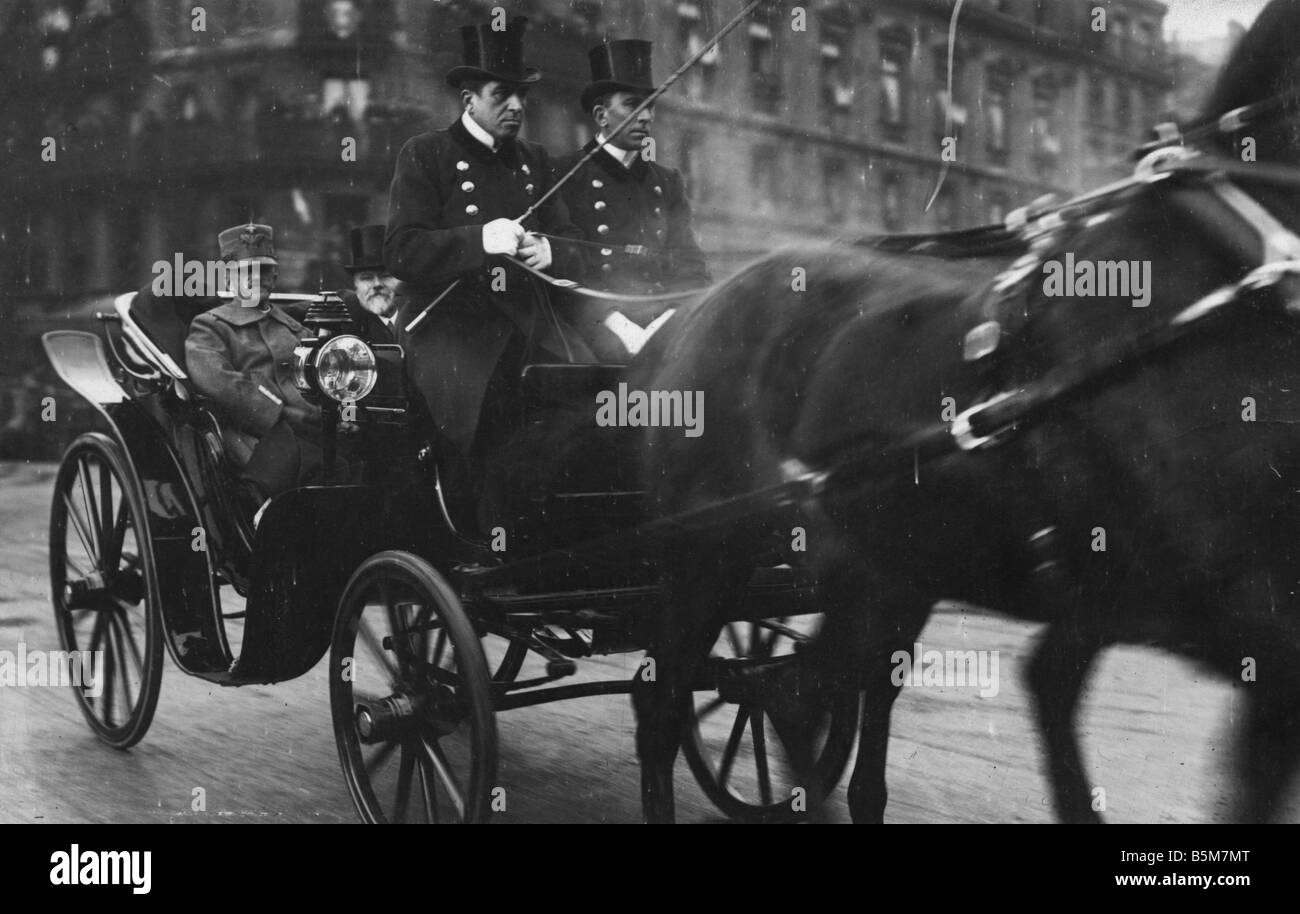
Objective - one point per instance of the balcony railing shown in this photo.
(111, 152)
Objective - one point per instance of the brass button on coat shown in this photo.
(468, 187)
(471, 210)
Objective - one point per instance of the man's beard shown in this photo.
(380, 303)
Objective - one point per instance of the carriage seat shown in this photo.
(156, 327)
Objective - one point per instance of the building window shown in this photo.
(835, 196)
(891, 202)
(945, 209)
(1119, 34)
(249, 15)
(997, 113)
(1045, 127)
(836, 79)
(1124, 108)
(895, 56)
(949, 114)
(764, 67)
(765, 179)
(1151, 108)
(694, 21)
(1096, 99)
(694, 168)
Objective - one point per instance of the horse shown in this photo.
(1142, 492)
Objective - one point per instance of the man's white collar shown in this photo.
(625, 156)
(478, 132)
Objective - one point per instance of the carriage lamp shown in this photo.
(332, 360)
(342, 367)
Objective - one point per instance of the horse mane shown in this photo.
(1265, 62)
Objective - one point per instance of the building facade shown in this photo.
(133, 130)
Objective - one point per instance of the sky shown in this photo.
(1196, 19)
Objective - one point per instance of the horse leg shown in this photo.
(699, 587)
(1056, 675)
(1262, 656)
(868, 792)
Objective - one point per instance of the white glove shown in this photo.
(536, 251)
(502, 236)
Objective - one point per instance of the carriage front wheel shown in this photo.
(104, 587)
(731, 744)
(410, 697)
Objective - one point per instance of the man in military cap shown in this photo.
(625, 201)
(454, 205)
(240, 357)
(374, 299)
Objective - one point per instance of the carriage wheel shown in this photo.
(730, 743)
(410, 697)
(105, 589)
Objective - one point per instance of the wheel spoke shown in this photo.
(733, 745)
(377, 649)
(439, 646)
(404, 772)
(98, 634)
(377, 760)
(110, 674)
(115, 637)
(760, 757)
(79, 525)
(733, 635)
(709, 707)
(67, 560)
(88, 502)
(428, 790)
(443, 767)
(106, 503)
(117, 539)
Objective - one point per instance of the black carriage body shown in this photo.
(308, 542)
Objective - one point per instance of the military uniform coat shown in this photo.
(644, 205)
(446, 186)
(241, 359)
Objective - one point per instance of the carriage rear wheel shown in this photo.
(104, 588)
(410, 697)
(732, 745)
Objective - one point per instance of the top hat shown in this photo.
(619, 66)
(494, 55)
(367, 243)
(249, 242)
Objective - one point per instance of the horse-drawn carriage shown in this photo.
(431, 627)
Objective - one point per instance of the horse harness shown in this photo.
(1013, 408)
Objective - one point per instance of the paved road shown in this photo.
(1156, 732)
